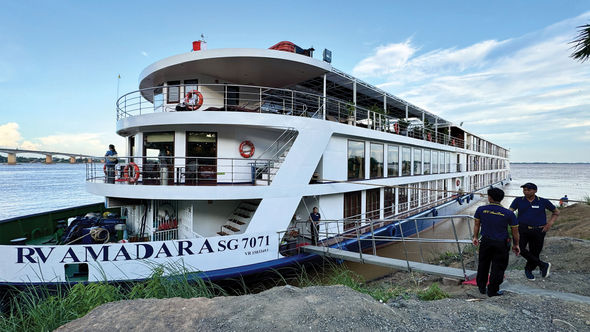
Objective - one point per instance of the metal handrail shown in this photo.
(277, 101)
(150, 170)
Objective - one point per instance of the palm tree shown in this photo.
(582, 44)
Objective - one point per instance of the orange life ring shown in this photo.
(453, 142)
(396, 128)
(429, 137)
(193, 106)
(458, 182)
(135, 177)
(249, 152)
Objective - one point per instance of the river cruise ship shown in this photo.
(227, 153)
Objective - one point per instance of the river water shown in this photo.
(34, 188)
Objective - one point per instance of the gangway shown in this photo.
(443, 271)
(363, 231)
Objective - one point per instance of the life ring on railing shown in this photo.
(135, 177)
(429, 136)
(193, 100)
(246, 149)
(458, 182)
(396, 128)
(453, 142)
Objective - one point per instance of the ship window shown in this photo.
(373, 198)
(388, 202)
(414, 195)
(406, 161)
(158, 100)
(441, 162)
(158, 150)
(233, 96)
(352, 208)
(356, 160)
(417, 161)
(402, 204)
(426, 161)
(173, 92)
(434, 162)
(448, 161)
(376, 160)
(432, 191)
(424, 193)
(190, 85)
(392, 161)
(441, 189)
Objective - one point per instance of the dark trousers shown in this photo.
(315, 233)
(492, 252)
(534, 238)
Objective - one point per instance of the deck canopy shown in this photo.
(279, 69)
(260, 67)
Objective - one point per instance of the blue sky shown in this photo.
(502, 67)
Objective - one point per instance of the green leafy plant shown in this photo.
(432, 293)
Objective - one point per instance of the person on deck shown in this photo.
(563, 201)
(111, 161)
(532, 227)
(314, 218)
(493, 220)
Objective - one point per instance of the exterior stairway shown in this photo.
(238, 220)
(275, 156)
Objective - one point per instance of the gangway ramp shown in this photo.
(400, 264)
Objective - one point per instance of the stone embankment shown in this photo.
(560, 302)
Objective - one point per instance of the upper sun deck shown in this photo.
(279, 82)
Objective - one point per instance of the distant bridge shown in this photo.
(48, 155)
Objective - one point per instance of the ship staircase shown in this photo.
(367, 241)
(238, 220)
(270, 160)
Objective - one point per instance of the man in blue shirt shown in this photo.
(111, 161)
(494, 245)
(314, 218)
(533, 227)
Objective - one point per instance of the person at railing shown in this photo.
(533, 227)
(493, 220)
(111, 161)
(314, 219)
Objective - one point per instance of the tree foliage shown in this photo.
(582, 44)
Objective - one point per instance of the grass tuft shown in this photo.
(432, 293)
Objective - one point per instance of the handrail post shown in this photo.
(419, 242)
(405, 248)
(358, 240)
(458, 247)
(373, 238)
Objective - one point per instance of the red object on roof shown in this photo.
(283, 46)
(197, 45)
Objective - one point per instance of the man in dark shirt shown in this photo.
(494, 245)
(533, 227)
(314, 218)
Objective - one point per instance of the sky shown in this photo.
(502, 68)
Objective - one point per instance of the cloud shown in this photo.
(515, 89)
(9, 135)
(84, 143)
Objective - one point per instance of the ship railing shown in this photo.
(184, 171)
(364, 234)
(257, 99)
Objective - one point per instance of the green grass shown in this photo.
(432, 293)
(45, 309)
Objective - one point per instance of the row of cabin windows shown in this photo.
(409, 197)
(425, 161)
